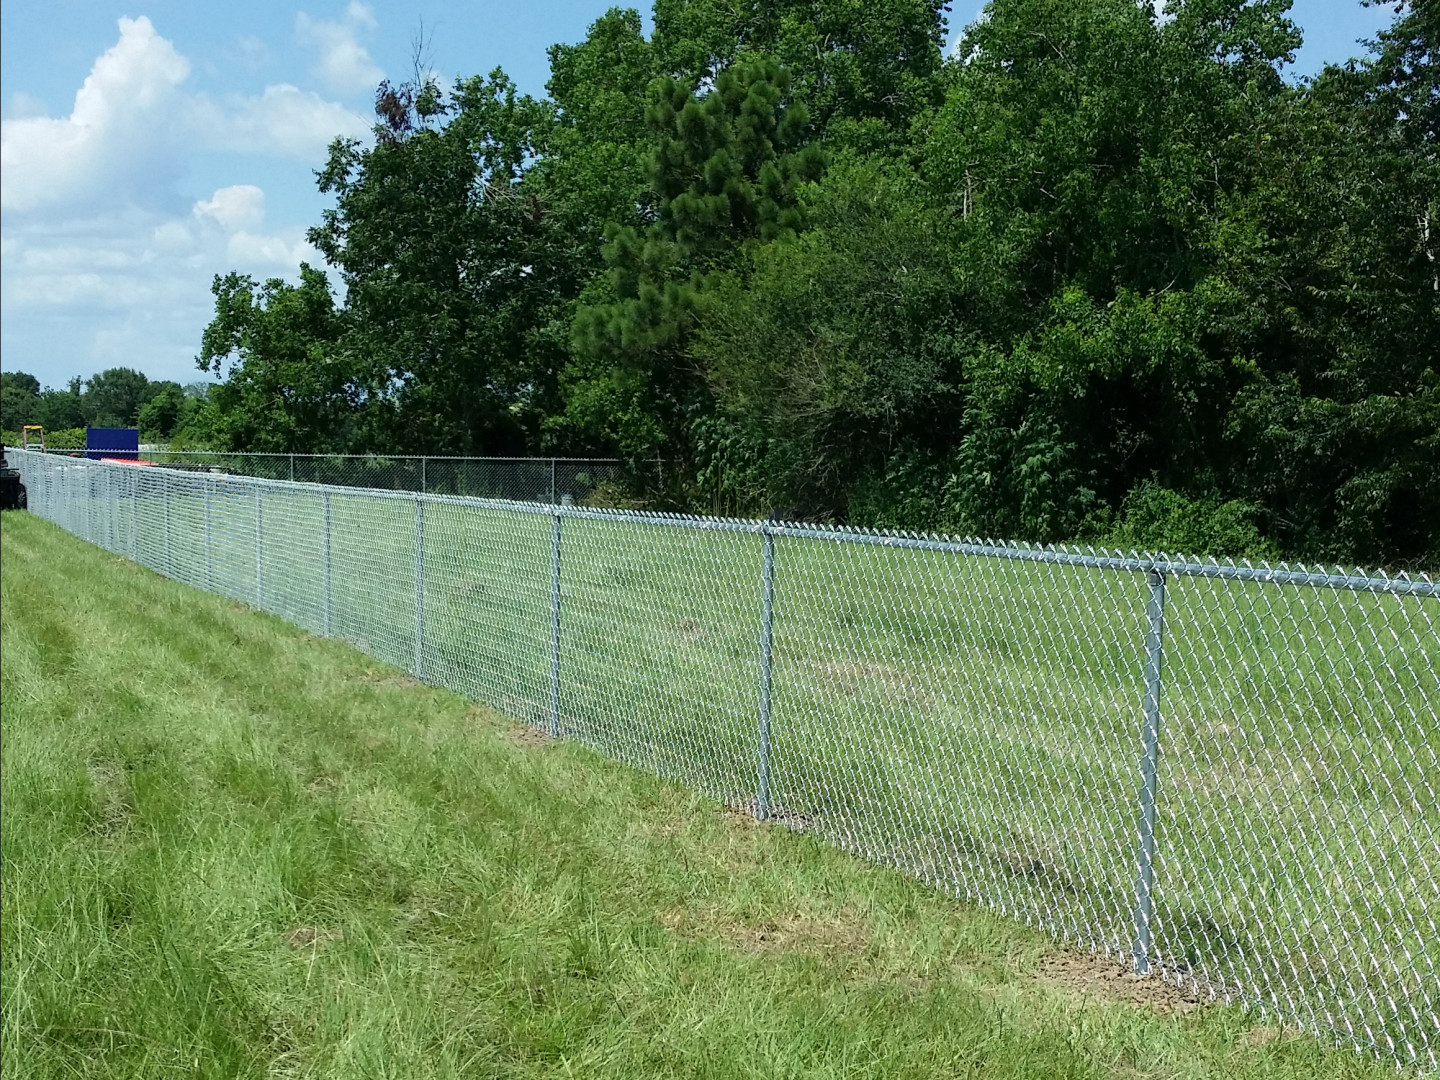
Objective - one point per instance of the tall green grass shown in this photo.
(231, 849)
(972, 721)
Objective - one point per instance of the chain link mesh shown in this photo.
(585, 481)
(970, 713)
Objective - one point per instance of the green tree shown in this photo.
(454, 271)
(113, 398)
(1105, 275)
(725, 171)
(834, 354)
(161, 414)
(62, 409)
(865, 70)
(19, 400)
(1328, 286)
(286, 386)
(593, 168)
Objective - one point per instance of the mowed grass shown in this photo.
(973, 721)
(233, 849)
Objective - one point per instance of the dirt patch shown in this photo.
(856, 677)
(323, 784)
(747, 814)
(1098, 977)
(843, 932)
(690, 630)
(423, 912)
(738, 817)
(524, 735)
(309, 937)
(386, 678)
(1264, 1035)
(111, 806)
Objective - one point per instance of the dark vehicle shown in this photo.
(12, 491)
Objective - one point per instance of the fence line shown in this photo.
(542, 479)
(969, 712)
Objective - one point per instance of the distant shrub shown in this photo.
(60, 439)
(1155, 518)
(65, 439)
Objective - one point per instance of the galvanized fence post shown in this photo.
(259, 549)
(135, 518)
(767, 618)
(292, 468)
(325, 497)
(166, 490)
(555, 625)
(424, 486)
(552, 481)
(209, 543)
(110, 531)
(419, 589)
(1149, 771)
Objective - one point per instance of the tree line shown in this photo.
(116, 397)
(1101, 275)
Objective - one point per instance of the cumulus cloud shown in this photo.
(46, 159)
(136, 258)
(24, 105)
(283, 120)
(106, 260)
(342, 62)
(133, 288)
(250, 52)
(133, 121)
(240, 206)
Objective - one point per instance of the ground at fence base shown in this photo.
(1099, 978)
(363, 874)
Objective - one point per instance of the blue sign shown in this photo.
(116, 442)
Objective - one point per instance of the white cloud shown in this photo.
(105, 260)
(133, 122)
(240, 206)
(23, 106)
(47, 159)
(343, 63)
(280, 250)
(251, 52)
(284, 120)
(133, 289)
(141, 259)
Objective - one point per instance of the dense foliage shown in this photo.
(1102, 275)
(116, 397)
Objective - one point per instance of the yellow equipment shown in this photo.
(25, 436)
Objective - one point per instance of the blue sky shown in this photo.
(148, 146)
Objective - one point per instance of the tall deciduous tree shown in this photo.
(285, 384)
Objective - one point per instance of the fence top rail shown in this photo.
(361, 457)
(1052, 554)
(75, 451)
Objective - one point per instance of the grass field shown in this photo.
(972, 721)
(233, 849)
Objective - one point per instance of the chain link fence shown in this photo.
(1224, 775)
(583, 480)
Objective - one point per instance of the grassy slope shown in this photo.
(974, 719)
(233, 849)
